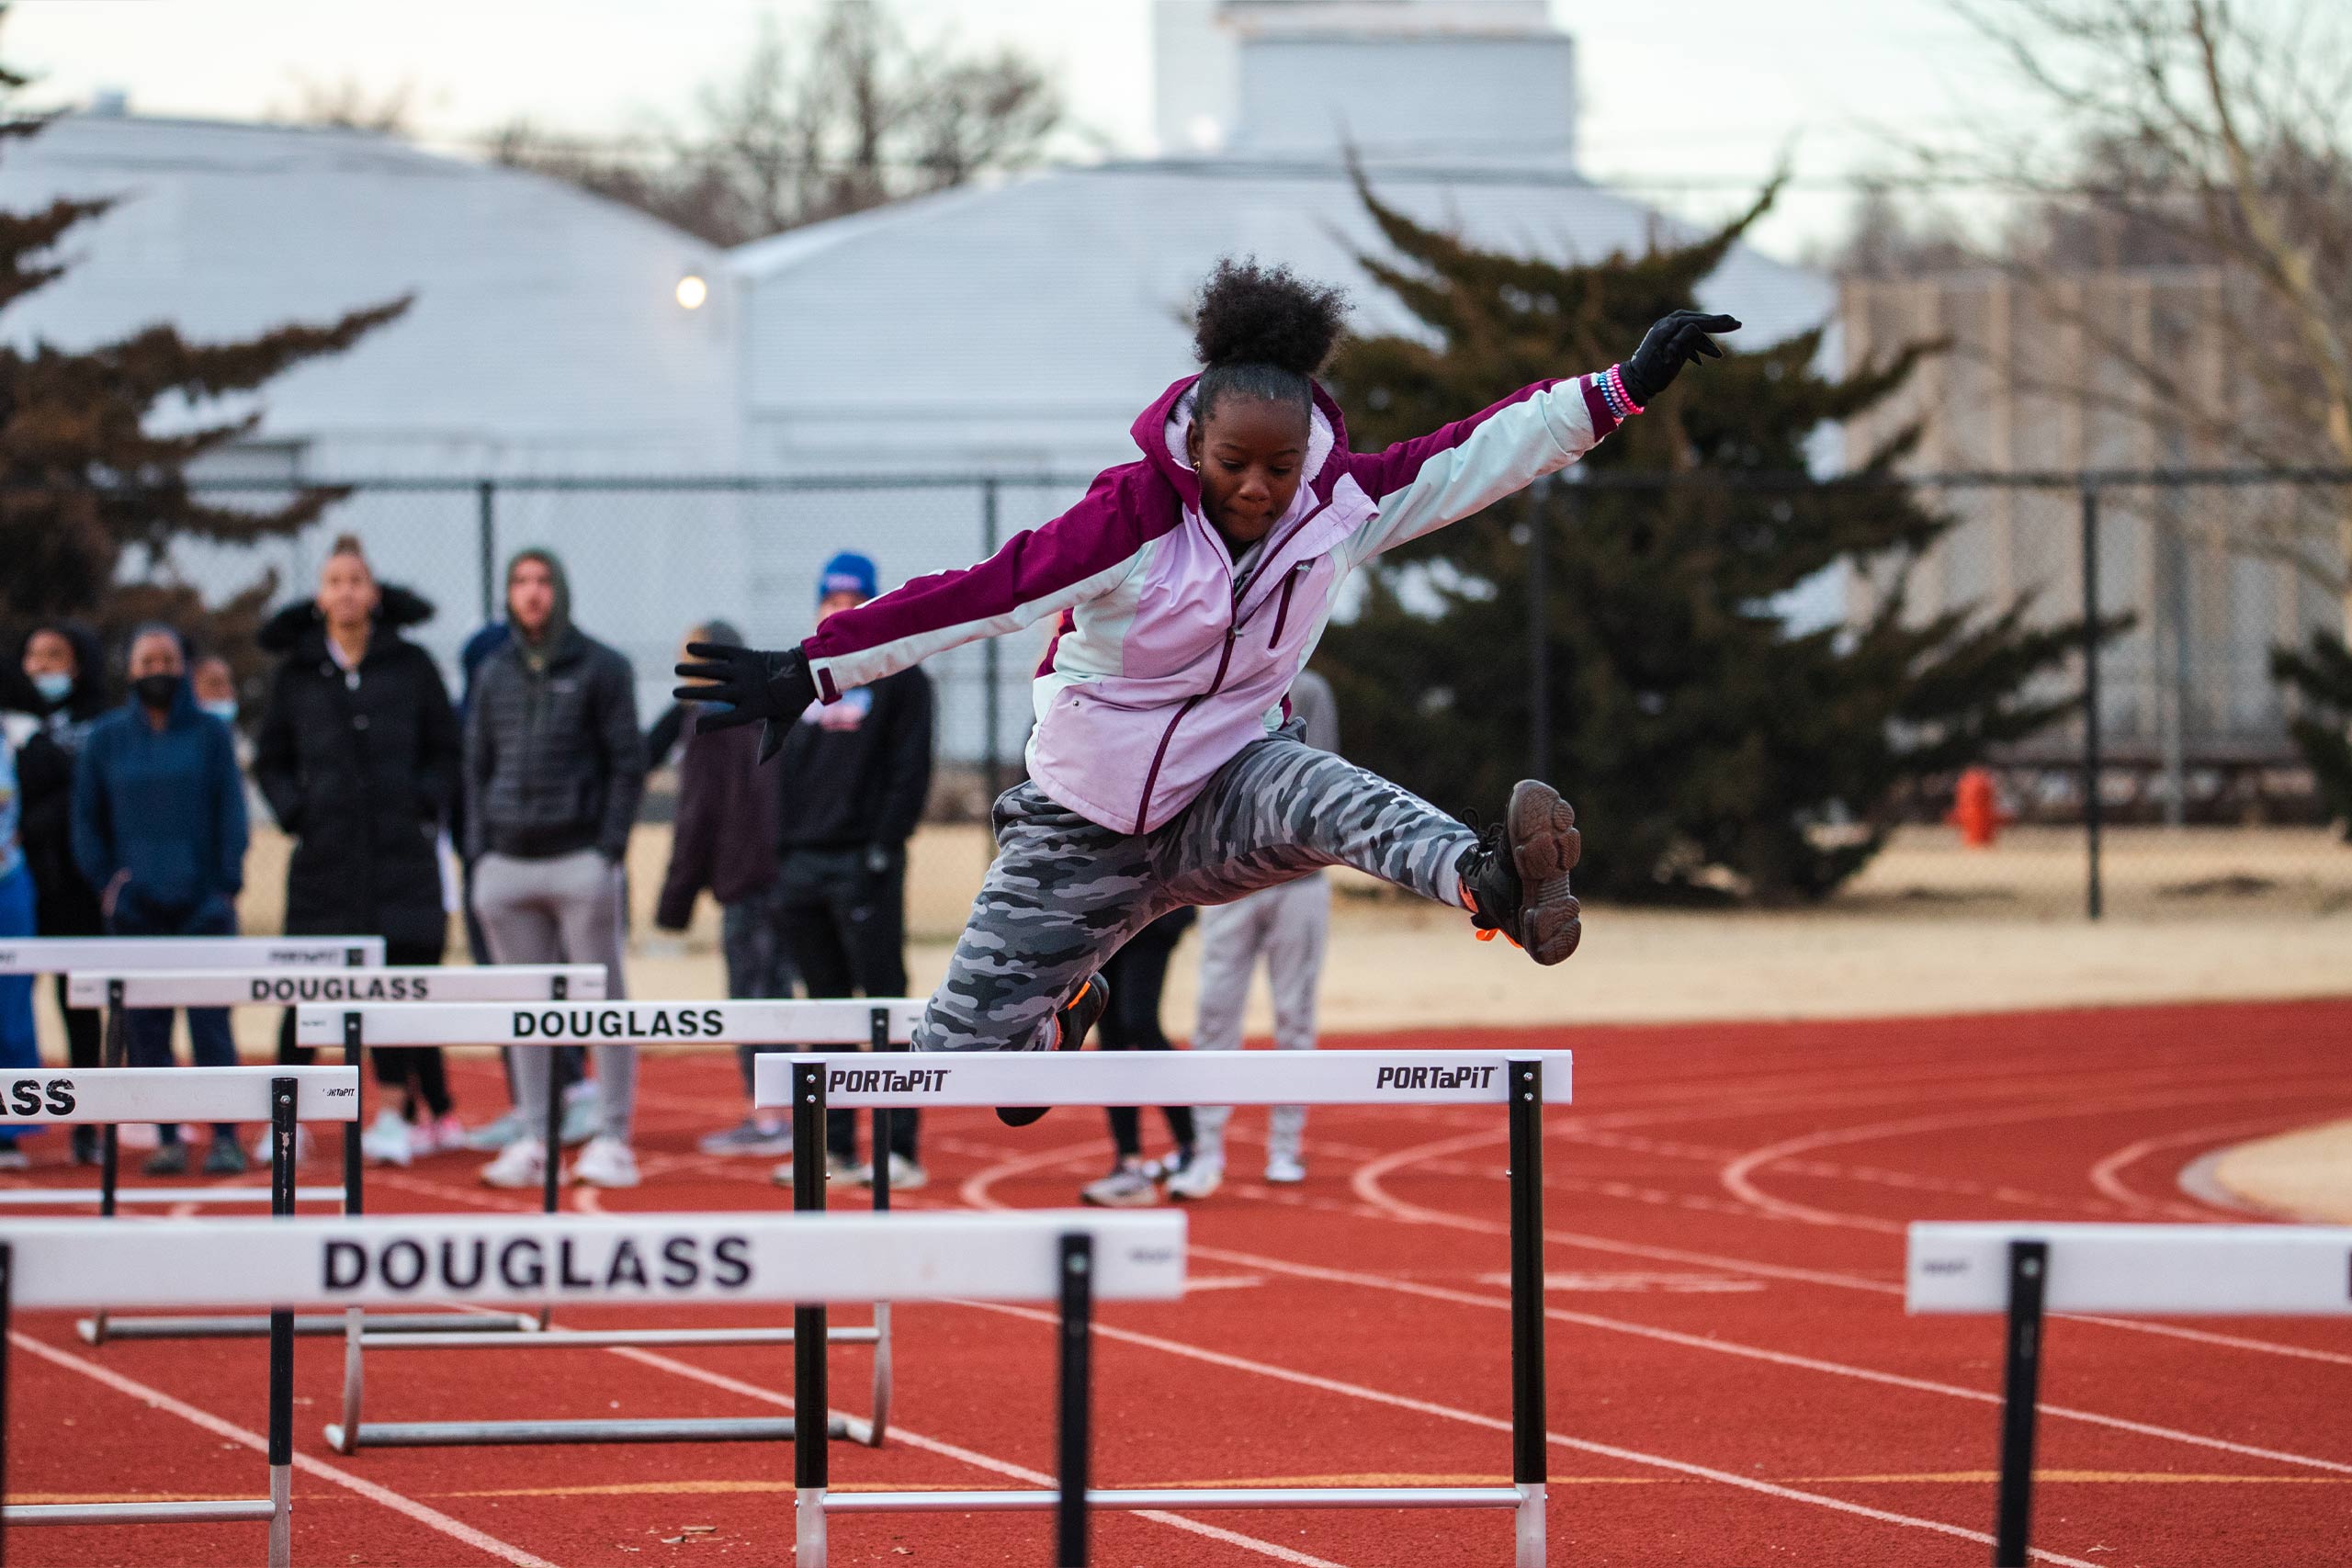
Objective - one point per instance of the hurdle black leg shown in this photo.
(1530, 1452)
(2020, 1389)
(283, 1124)
(811, 1398)
(878, 1039)
(354, 1049)
(1075, 1435)
(111, 1052)
(8, 1290)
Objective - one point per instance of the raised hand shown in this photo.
(739, 685)
(1677, 339)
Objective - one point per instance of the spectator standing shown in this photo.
(852, 779)
(1288, 924)
(158, 829)
(19, 1047)
(62, 694)
(358, 755)
(724, 804)
(554, 770)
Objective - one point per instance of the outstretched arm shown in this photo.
(1425, 483)
(1040, 571)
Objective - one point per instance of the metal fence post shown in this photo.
(486, 532)
(992, 696)
(2091, 804)
(1539, 630)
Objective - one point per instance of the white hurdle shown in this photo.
(882, 1023)
(144, 1257)
(1520, 1080)
(1074, 1259)
(118, 987)
(2029, 1271)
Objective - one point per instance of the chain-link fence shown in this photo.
(2199, 791)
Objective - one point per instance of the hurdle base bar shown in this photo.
(1184, 1497)
(222, 1511)
(45, 1197)
(98, 1331)
(603, 1340)
(472, 1434)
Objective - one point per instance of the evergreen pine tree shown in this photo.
(91, 500)
(1701, 742)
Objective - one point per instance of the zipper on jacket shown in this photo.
(1281, 615)
(1143, 810)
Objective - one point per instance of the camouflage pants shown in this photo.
(1065, 892)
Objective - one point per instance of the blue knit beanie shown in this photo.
(847, 573)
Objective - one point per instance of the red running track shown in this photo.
(1733, 1379)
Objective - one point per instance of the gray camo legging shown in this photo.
(1066, 893)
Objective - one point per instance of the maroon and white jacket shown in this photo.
(1171, 655)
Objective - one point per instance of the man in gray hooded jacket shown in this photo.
(554, 771)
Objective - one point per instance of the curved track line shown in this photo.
(1493, 1424)
(1367, 1186)
(433, 1518)
(2108, 1174)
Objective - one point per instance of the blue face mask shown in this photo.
(54, 685)
(225, 712)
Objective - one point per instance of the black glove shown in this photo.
(739, 685)
(1681, 336)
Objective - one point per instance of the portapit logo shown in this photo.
(885, 1080)
(1407, 1078)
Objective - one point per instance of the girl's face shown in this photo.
(1249, 454)
(51, 653)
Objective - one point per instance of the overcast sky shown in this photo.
(1674, 91)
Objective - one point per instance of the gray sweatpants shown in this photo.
(1065, 893)
(1289, 925)
(563, 911)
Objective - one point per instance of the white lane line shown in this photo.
(432, 1518)
(1581, 1445)
(977, 1460)
(2108, 1174)
(1757, 1353)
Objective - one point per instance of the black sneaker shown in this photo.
(85, 1144)
(1515, 880)
(171, 1160)
(1072, 1019)
(225, 1159)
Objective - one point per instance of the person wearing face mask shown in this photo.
(159, 830)
(59, 692)
(19, 1047)
(357, 755)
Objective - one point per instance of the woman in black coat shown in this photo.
(58, 682)
(360, 757)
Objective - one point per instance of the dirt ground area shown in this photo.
(1929, 928)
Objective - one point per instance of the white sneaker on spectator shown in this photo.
(491, 1136)
(848, 1172)
(605, 1162)
(1128, 1187)
(136, 1135)
(1285, 1169)
(751, 1136)
(13, 1159)
(388, 1141)
(440, 1136)
(906, 1175)
(522, 1163)
(1199, 1179)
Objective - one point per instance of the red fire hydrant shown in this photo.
(1976, 809)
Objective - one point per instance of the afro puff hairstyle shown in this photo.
(1260, 331)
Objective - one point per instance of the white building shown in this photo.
(546, 337)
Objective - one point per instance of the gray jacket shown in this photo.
(554, 763)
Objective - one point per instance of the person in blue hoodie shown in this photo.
(159, 830)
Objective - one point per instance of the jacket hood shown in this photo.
(398, 607)
(559, 623)
(1159, 432)
(91, 695)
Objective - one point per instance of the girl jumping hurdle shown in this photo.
(1190, 587)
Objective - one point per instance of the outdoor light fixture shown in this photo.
(693, 291)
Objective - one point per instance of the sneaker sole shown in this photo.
(1136, 1201)
(1544, 846)
(1065, 1039)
